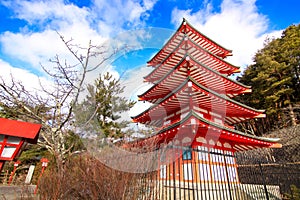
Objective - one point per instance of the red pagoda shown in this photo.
(194, 114)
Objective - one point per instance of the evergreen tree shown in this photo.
(101, 109)
(274, 76)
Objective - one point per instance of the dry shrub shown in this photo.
(84, 177)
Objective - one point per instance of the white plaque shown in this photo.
(29, 174)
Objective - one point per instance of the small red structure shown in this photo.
(13, 134)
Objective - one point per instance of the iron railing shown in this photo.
(207, 174)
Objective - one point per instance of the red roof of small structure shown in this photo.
(19, 128)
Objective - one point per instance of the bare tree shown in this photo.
(52, 105)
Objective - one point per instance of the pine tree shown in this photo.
(275, 75)
(101, 109)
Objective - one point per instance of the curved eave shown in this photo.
(203, 40)
(162, 100)
(234, 69)
(170, 104)
(183, 129)
(199, 77)
(227, 52)
(215, 125)
(204, 56)
(162, 50)
(226, 98)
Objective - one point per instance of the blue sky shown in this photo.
(28, 37)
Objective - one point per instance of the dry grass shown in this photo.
(84, 177)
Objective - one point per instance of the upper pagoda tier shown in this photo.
(194, 130)
(187, 31)
(187, 46)
(191, 95)
(188, 66)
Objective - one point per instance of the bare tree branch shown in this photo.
(52, 104)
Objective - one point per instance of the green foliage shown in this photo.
(32, 153)
(101, 109)
(74, 142)
(9, 112)
(274, 76)
(295, 193)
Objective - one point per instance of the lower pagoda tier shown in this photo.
(194, 149)
(194, 130)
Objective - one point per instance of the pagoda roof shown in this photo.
(202, 97)
(201, 73)
(187, 46)
(194, 129)
(186, 29)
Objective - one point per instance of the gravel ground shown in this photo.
(12, 192)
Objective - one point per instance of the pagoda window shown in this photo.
(232, 174)
(229, 157)
(216, 155)
(203, 153)
(187, 154)
(204, 172)
(163, 171)
(219, 172)
(188, 171)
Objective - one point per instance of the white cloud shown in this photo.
(54, 14)
(70, 21)
(134, 86)
(30, 81)
(238, 26)
(37, 47)
(117, 14)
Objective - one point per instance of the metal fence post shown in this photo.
(263, 180)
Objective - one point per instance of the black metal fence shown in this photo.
(207, 174)
(282, 176)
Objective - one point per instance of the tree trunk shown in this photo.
(292, 115)
(291, 112)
